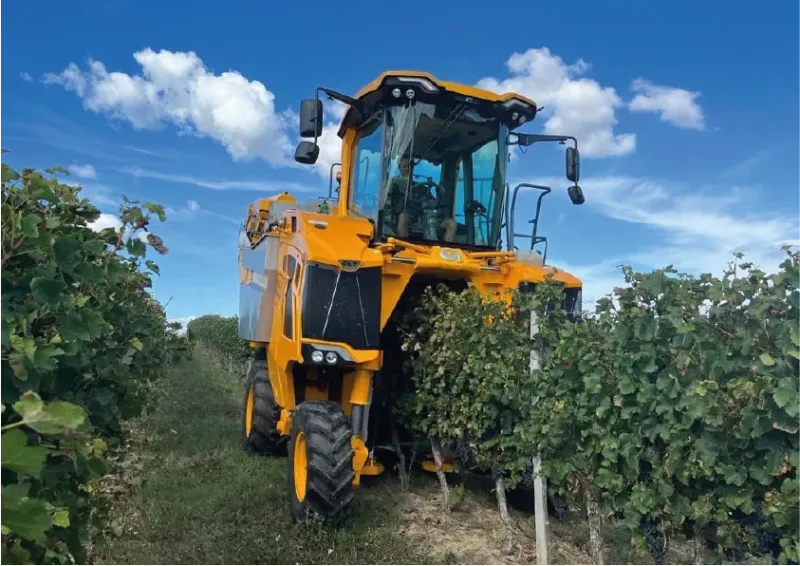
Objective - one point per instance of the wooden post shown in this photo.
(539, 482)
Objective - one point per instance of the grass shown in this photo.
(195, 497)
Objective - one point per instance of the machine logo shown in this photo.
(349, 265)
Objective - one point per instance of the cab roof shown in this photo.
(510, 105)
(459, 88)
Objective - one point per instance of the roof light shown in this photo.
(512, 102)
(422, 82)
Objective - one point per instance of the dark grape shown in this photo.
(527, 474)
(655, 538)
(558, 507)
(464, 453)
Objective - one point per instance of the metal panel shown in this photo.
(257, 290)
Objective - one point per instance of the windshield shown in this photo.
(432, 174)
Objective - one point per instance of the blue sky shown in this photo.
(686, 113)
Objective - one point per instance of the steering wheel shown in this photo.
(429, 184)
(475, 207)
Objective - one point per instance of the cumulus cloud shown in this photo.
(106, 220)
(177, 88)
(26, 77)
(83, 171)
(574, 104)
(675, 106)
(330, 144)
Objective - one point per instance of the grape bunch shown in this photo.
(655, 538)
(464, 453)
(527, 474)
(558, 507)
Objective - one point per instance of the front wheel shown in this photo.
(320, 462)
(261, 413)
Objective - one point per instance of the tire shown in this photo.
(263, 436)
(320, 445)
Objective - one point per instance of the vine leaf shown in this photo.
(52, 418)
(19, 457)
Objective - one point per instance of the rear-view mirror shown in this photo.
(306, 153)
(576, 194)
(573, 165)
(310, 118)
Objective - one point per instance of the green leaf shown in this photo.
(795, 335)
(60, 518)
(30, 225)
(136, 247)
(9, 174)
(51, 418)
(786, 394)
(47, 290)
(156, 209)
(766, 359)
(29, 519)
(136, 343)
(153, 266)
(19, 457)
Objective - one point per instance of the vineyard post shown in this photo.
(539, 483)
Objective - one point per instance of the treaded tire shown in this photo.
(329, 457)
(264, 437)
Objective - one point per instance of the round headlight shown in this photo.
(410, 93)
(330, 357)
(317, 357)
(396, 93)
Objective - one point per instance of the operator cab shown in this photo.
(428, 158)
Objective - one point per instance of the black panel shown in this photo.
(288, 309)
(340, 306)
(571, 302)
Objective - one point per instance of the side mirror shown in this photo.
(306, 153)
(573, 164)
(575, 194)
(310, 118)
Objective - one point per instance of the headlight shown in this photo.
(317, 356)
(331, 357)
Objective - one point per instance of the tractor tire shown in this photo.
(320, 463)
(261, 413)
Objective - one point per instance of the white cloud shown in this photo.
(676, 106)
(192, 209)
(26, 77)
(574, 105)
(219, 184)
(330, 144)
(177, 88)
(105, 220)
(695, 231)
(83, 171)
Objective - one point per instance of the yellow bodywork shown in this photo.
(278, 224)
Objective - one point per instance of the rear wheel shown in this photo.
(320, 462)
(261, 413)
